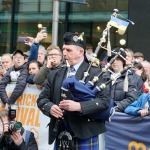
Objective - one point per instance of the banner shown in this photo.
(30, 116)
(126, 132)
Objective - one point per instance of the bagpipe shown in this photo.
(85, 92)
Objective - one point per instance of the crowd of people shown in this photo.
(129, 87)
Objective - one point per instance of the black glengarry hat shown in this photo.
(75, 39)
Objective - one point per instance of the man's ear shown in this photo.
(81, 51)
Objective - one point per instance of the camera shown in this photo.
(44, 30)
(13, 125)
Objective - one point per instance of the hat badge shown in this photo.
(75, 38)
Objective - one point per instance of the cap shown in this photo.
(75, 39)
(138, 54)
(18, 51)
(122, 53)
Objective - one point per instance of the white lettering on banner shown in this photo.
(30, 116)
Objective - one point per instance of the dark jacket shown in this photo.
(40, 78)
(80, 124)
(122, 98)
(33, 56)
(8, 144)
(30, 79)
(20, 84)
(33, 52)
(139, 82)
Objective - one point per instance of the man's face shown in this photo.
(117, 65)
(6, 62)
(74, 54)
(18, 60)
(55, 56)
(41, 56)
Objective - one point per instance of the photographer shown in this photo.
(15, 139)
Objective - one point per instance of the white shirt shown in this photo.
(76, 67)
(14, 76)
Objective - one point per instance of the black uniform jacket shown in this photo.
(80, 124)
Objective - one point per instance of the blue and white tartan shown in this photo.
(87, 144)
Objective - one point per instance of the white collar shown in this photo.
(76, 66)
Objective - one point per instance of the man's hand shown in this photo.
(56, 111)
(70, 105)
(2, 72)
(29, 41)
(49, 63)
(17, 138)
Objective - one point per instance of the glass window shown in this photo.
(91, 19)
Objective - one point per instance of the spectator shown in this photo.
(15, 140)
(123, 88)
(54, 61)
(89, 52)
(41, 54)
(129, 56)
(76, 123)
(139, 70)
(138, 78)
(18, 74)
(6, 62)
(146, 66)
(141, 107)
(34, 68)
(146, 86)
(139, 56)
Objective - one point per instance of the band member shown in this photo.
(76, 131)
